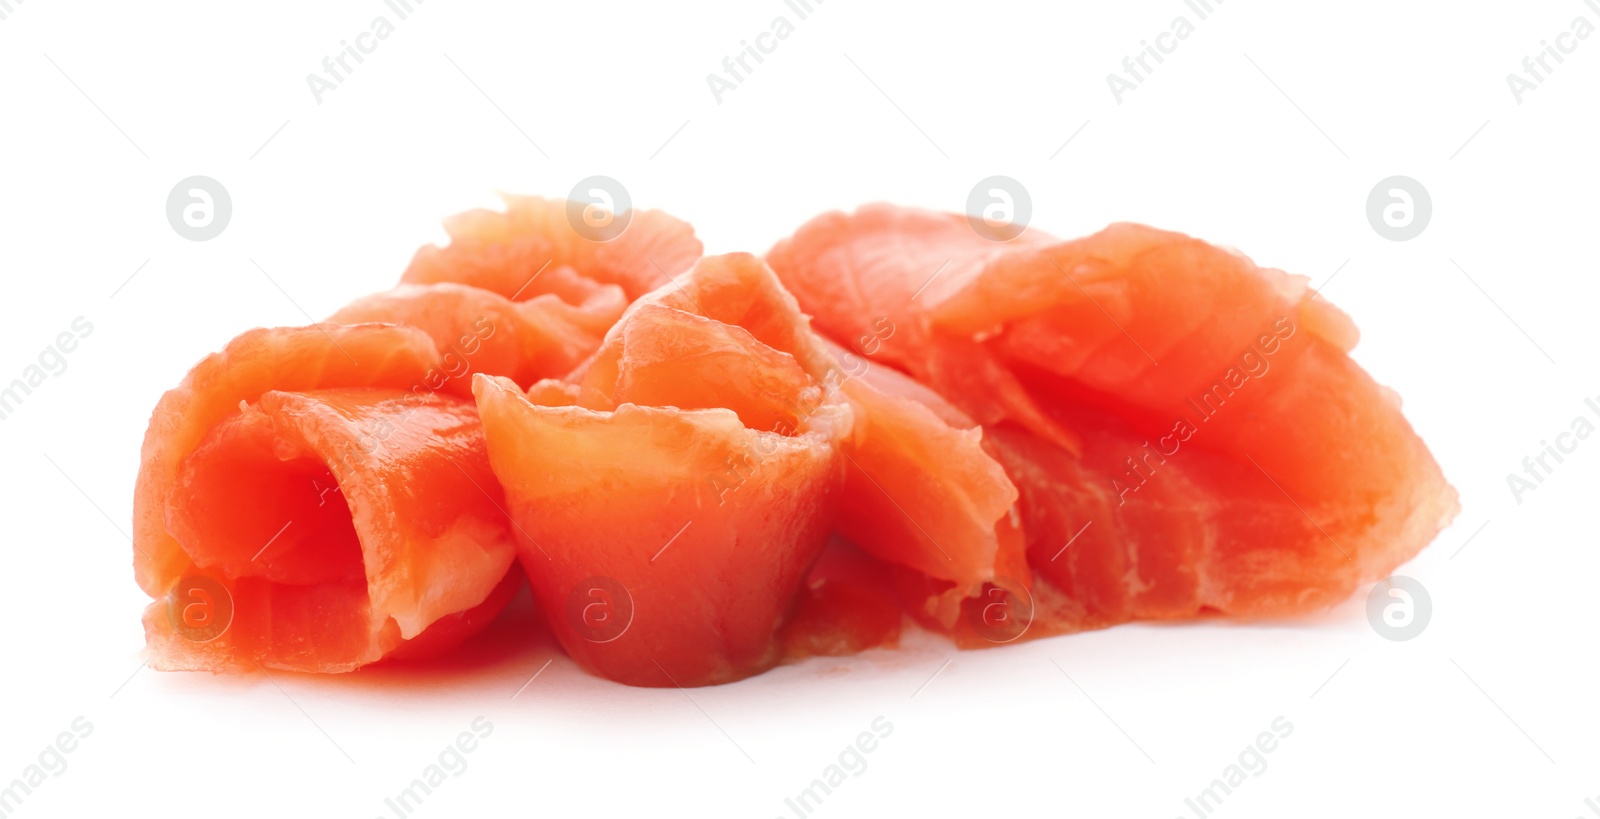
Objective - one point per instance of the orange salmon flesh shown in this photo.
(706, 466)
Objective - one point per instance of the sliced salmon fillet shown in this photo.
(1190, 422)
(1002, 439)
(306, 484)
(532, 246)
(686, 483)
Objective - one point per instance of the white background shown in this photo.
(1265, 130)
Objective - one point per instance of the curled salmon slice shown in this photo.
(687, 454)
(306, 502)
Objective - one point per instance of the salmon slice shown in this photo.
(306, 502)
(1190, 423)
(479, 330)
(672, 501)
(532, 247)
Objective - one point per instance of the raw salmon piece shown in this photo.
(531, 247)
(306, 487)
(1221, 447)
(255, 362)
(645, 575)
(477, 330)
(669, 515)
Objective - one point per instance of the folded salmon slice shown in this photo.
(674, 493)
(305, 502)
(672, 499)
(1189, 422)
